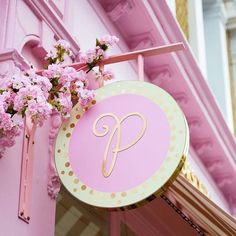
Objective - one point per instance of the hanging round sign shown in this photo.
(125, 149)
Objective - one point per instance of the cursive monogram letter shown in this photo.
(116, 130)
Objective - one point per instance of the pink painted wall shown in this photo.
(24, 37)
(43, 207)
(28, 28)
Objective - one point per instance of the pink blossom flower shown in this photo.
(68, 75)
(32, 101)
(41, 81)
(79, 85)
(5, 121)
(39, 111)
(108, 40)
(81, 75)
(53, 71)
(82, 58)
(19, 80)
(65, 104)
(63, 44)
(100, 53)
(85, 97)
(52, 54)
(8, 132)
(90, 55)
(5, 100)
(105, 75)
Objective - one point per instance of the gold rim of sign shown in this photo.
(155, 184)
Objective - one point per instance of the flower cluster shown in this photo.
(31, 96)
(68, 87)
(22, 97)
(57, 54)
(93, 56)
(104, 75)
(9, 127)
(58, 88)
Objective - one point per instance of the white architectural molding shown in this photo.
(217, 57)
(230, 7)
(215, 9)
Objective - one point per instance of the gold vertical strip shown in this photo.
(232, 87)
(182, 15)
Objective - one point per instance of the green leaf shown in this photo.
(97, 42)
(104, 47)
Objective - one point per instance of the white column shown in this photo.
(217, 56)
(196, 33)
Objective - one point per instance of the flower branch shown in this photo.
(59, 88)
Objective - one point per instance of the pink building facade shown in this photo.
(29, 28)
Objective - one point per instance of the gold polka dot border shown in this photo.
(83, 187)
(67, 164)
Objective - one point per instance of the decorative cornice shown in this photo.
(214, 165)
(215, 9)
(224, 180)
(45, 12)
(209, 3)
(230, 7)
(181, 98)
(231, 23)
(202, 146)
(10, 61)
(160, 75)
(121, 8)
(194, 123)
(141, 42)
(15, 56)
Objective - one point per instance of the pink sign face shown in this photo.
(133, 165)
(126, 147)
